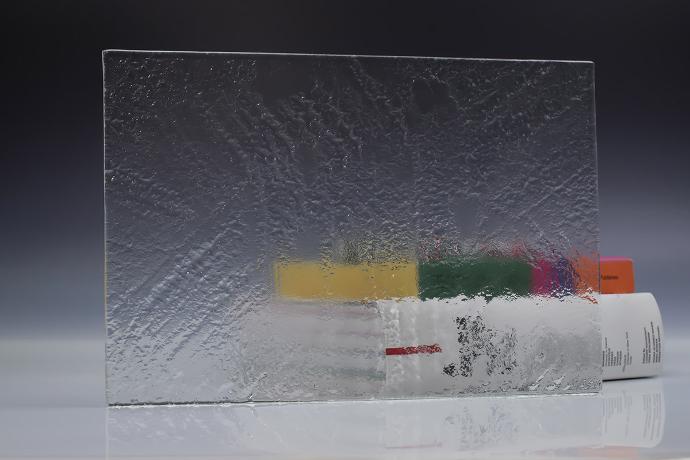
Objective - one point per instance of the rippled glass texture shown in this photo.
(294, 227)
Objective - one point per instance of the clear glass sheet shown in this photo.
(294, 227)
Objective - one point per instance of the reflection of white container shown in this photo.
(632, 336)
(629, 414)
(634, 413)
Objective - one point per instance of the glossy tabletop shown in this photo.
(52, 406)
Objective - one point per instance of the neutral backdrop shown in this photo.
(51, 198)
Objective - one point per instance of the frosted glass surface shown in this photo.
(292, 227)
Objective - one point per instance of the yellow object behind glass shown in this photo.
(313, 280)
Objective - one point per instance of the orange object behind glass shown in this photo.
(617, 275)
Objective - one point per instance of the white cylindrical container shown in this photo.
(632, 336)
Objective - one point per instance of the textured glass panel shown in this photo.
(291, 227)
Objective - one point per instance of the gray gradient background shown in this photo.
(51, 199)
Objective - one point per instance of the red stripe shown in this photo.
(435, 348)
